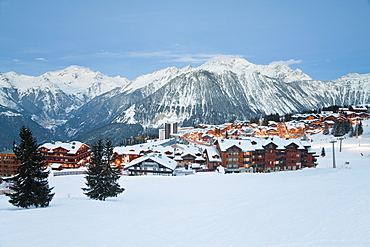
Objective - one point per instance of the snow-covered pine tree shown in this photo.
(31, 187)
(101, 175)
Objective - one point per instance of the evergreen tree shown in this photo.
(101, 176)
(323, 152)
(334, 130)
(288, 117)
(352, 132)
(347, 126)
(360, 129)
(31, 187)
(326, 130)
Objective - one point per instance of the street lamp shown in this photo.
(340, 143)
(333, 141)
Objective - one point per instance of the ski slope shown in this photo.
(310, 207)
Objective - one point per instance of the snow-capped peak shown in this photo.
(156, 79)
(25, 82)
(354, 75)
(83, 82)
(219, 64)
(241, 66)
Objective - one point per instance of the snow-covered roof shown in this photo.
(247, 144)
(160, 159)
(136, 149)
(72, 147)
(213, 155)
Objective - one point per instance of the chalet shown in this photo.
(331, 118)
(153, 164)
(189, 156)
(207, 138)
(212, 157)
(358, 109)
(69, 154)
(363, 115)
(8, 164)
(265, 155)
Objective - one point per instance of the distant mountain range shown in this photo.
(77, 103)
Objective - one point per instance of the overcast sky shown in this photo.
(325, 38)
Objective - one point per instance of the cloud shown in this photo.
(287, 62)
(40, 59)
(182, 57)
(16, 60)
(104, 53)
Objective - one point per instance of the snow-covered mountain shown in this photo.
(54, 95)
(84, 84)
(215, 92)
(242, 67)
(222, 90)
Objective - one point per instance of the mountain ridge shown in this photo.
(78, 100)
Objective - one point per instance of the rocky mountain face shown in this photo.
(77, 102)
(220, 91)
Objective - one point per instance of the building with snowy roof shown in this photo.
(152, 164)
(265, 155)
(8, 163)
(72, 154)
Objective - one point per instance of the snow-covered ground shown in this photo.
(310, 207)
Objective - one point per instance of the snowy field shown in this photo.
(310, 207)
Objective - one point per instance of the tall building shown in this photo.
(169, 129)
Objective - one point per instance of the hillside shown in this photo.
(311, 207)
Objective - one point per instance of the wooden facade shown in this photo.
(69, 155)
(268, 157)
(153, 164)
(8, 164)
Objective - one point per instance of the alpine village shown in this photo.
(270, 144)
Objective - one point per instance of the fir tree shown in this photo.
(360, 130)
(31, 187)
(326, 130)
(101, 176)
(352, 132)
(323, 152)
(347, 126)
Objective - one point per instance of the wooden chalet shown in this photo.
(265, 155)
(153, 164)
(69, 154)
(212, 157)
(358, 109)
